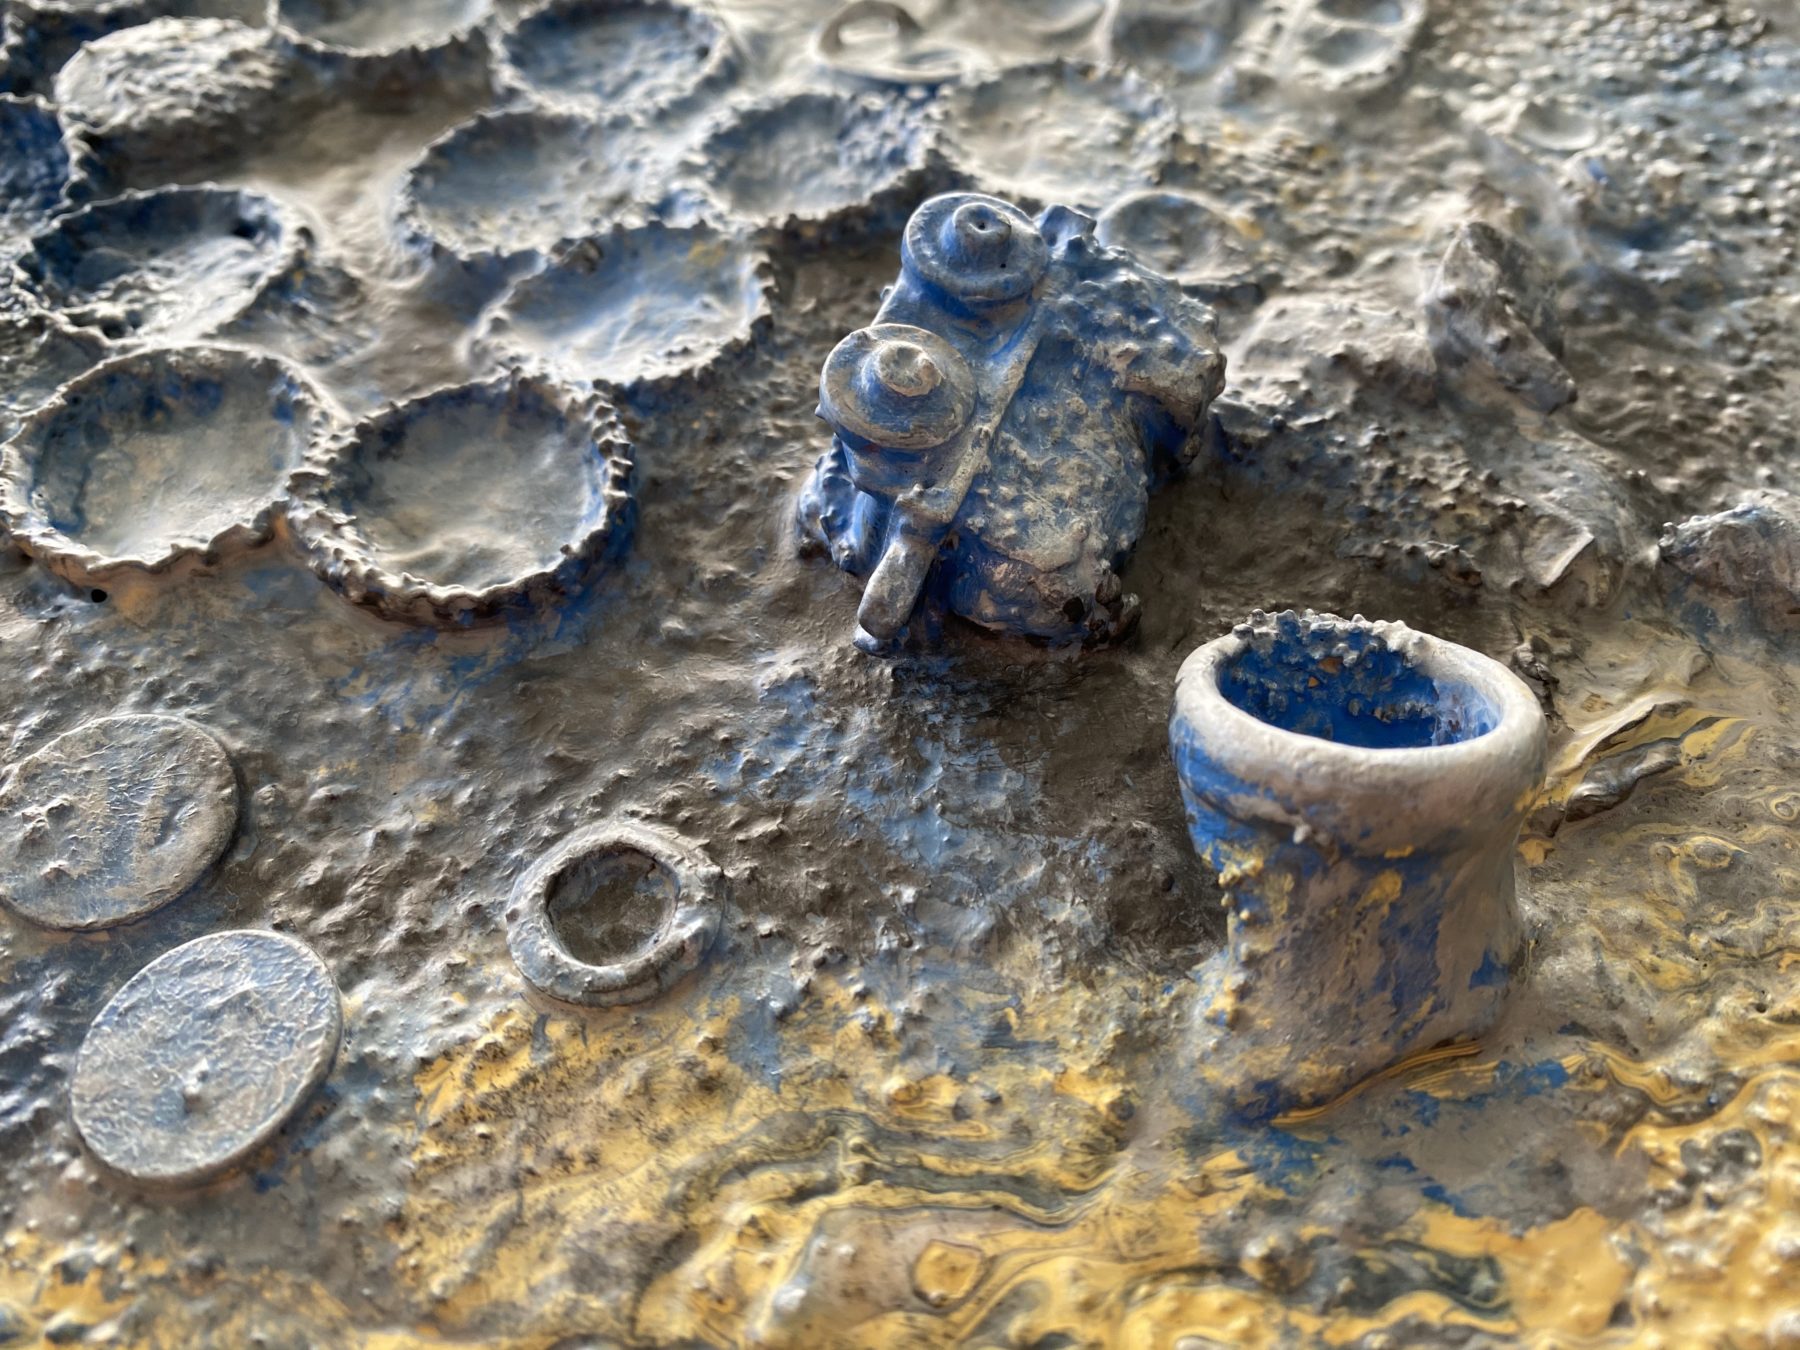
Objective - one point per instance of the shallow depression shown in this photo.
(609, 907)
(173, 264)
(473, 487)
(1058, 134)
(640, 305)
(508, 182)
(1346, 684)
(380, 25)
(811, 156)
(162, 451)
(623, 55)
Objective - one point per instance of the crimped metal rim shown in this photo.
(342, 557)
(77, 562)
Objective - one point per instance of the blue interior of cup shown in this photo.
(1342, 682)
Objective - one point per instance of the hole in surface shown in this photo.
(1347, 685)
(97, 595)
(609, 907)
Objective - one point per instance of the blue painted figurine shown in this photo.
(1000, 427)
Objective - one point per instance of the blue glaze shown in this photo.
(34, 166)
(1375, 699)
(1000, 428)
(1359, 788)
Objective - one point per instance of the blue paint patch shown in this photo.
(1492, 972)
(1457, 1206)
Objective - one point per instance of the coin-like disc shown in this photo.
(204, 1054)
(113, 820)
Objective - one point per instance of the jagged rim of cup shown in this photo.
(921, 141)
(291, 253)
(720, 60)
(759, 281)
(334, 547)
(77, 562)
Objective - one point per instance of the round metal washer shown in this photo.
(114, 819)
(975, 248)
(681, 941)
(204, 1054)
(859, 392)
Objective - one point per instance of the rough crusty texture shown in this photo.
(924, 1091)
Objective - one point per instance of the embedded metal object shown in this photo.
(113, 820)
(1002, 423)
(203, 1055)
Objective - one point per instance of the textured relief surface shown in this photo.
(1503, 293)
(170, 265)
(113, 819)
(156, 457)
(203, 1055)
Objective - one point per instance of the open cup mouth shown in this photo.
(468, 504)
(1380, 736)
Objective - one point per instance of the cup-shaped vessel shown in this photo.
(1359, 788)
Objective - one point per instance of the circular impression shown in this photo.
(154, 457)
(158, 101)
(631, 56)
(34, 165)
(459, 505)
(173, 264)
(1351, 47)
(203, 1055)
(1060, 132)
(379, 27)
(1179, 235)
(811, 157)
(505, 183)
(880, 40)
(113, 820)
(633, 306)
(622, 954)
(1176, 45)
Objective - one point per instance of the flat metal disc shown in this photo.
(113, 820)
(204, 1054)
